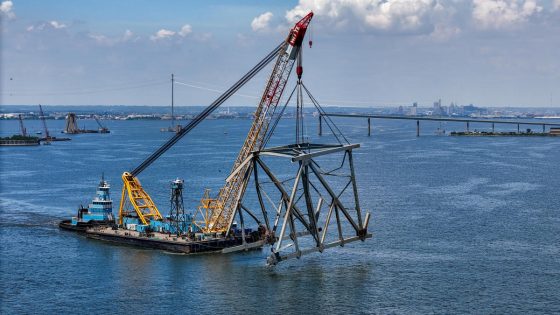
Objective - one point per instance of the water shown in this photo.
(461, 225)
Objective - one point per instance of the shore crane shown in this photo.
(218, 213)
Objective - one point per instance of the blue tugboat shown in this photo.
(98, 213)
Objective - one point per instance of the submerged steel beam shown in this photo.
(273, 260)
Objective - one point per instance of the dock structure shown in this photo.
(467, 121)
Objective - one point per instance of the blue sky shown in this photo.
(365, 52)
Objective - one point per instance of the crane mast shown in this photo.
(223, 208)
(47, 136)
(21, 127)
(102, 129)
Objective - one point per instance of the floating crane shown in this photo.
(218, 213)
(133, 193)
(47, 136)
(21, 127)
(102, 129)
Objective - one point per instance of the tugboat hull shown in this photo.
(81, 226)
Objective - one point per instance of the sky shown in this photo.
(364, 53)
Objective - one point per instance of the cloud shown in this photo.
(501, 14)
(6, 8)
(161, 34)
(185, 30)
(46, 25)
(380, 15)
(261, 22)
(556, 4)
(57, 25)
(128, 35)
(443, 32)
(164, 34)
(203, 37)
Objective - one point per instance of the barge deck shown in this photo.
(168, 242)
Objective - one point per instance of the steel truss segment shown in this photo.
(284, 155)
(259, 195)
(324, 152)
(334, 196)
(289, 209)
(285, 196)
(299, 147)
(306, 151)
(309, 204)
(309, 172)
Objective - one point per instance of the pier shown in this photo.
(467, 121)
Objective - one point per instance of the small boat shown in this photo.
(440, 131)
(98, 213)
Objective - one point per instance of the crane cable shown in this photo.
(213, 90)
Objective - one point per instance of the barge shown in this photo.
(18, 140)
(175, 233)
(185, 244)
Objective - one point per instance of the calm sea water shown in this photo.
(461, 225)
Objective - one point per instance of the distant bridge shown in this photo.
(447, 119)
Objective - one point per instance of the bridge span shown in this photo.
(544, 124)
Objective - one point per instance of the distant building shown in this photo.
(414, 109)
(438, 110)
(451, 109)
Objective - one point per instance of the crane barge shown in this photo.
(212, 227)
